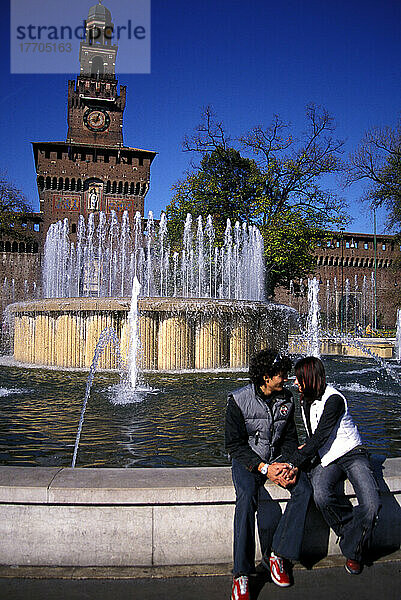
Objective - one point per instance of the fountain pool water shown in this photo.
(179, 422)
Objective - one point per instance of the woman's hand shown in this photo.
(291, 476)
(282, 474)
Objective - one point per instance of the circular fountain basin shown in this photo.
(176, 334)
(177, 420)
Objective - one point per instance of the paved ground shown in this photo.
(326, 581)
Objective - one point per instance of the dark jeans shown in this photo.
(353, 525)
(280, 533)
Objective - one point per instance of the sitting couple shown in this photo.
(262, 442)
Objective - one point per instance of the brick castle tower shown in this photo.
(92, 170)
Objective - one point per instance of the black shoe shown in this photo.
(263, 567)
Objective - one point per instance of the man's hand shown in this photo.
(282, 474)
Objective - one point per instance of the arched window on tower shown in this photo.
(108, 187)
(60, 183)
(73, 184)
(8, 246)
(41, 182)
(67, 183)
(126, 187)
(132, 189)
(114, 187)
(97, 66)
(54, 185)
(48, 183)
(79, 185)
(120, 187)
(15, 247)
(21, 248)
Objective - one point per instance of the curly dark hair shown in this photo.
(268, 362)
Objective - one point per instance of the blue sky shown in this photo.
(248, 60)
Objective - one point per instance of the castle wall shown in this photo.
(351, 256)
(20, 277)
(68, 175)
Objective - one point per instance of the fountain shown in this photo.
(202, 308)
(108, 336)
(134, 346)
(398, 337)
(194, 311)
(313, 321)
(344, 317)
(177, 419)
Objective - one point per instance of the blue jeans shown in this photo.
(281, 533)
(353, 525)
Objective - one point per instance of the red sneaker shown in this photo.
(278, 572)
(353, 567)
(240, 589)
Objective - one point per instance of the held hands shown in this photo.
(281, 474)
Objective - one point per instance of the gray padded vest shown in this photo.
(264, 421)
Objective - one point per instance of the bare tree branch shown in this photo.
(210, 135)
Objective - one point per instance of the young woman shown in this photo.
(335, 444)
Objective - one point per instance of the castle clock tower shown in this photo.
(92, 170)
(95, 110)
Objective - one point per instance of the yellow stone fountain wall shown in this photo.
(175, 347)
(239, 345)
(210, 344)
(148, 326)
(65, 333)
(45, 346)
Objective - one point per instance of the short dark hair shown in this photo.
(311, 375)
(267, 362)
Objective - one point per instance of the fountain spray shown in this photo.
(313, 322)
(398, 337)
(134, 345)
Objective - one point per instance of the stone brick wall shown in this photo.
(20, 277)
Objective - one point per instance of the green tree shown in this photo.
(226, 185)
(279, 190)
(13, 209)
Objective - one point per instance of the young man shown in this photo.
(260, 426)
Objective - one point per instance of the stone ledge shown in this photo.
(147, 517)
(154, 486)
(26, 484)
